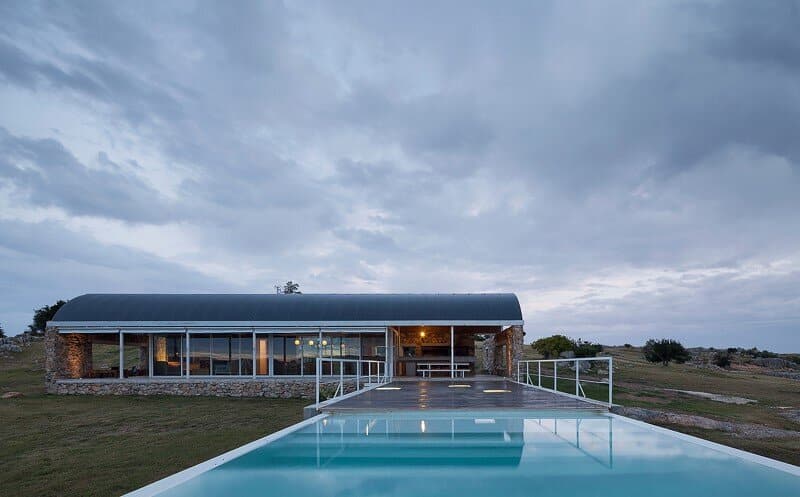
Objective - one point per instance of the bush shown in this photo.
(587, 349)
(553, 346)
(722, 360)
(665, 351)
(628, 346)
(732, 350)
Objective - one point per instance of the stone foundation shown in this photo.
(240, 387)
(502, 351)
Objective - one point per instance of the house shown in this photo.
(268, 345)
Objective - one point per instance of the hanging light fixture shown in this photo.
(297, 341)
(324, 343)
(311, 342)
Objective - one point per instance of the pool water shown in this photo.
(487, 454)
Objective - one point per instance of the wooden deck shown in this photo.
(474, 394)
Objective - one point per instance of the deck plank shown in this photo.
(439, 395)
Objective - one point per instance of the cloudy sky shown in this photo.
(629, 169)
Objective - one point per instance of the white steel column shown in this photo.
(452, 352)
(121, 354)
(253, 353)
(385, 354)
(188, 354)
(150, 355)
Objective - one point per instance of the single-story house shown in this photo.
(268, 345)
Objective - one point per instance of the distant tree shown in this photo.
(42, 315)
(2, 332)
(722, 360)
(587, 349)
(665, 351)
(553, 346)
(627, 346)
(732, 350)
(291, 287)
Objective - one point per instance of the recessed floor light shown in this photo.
(388, 388)
(459, 386)
(491, 390)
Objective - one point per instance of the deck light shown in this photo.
(324, 343)
(496, 390)
(297, 341)
(459, 386)
(311, 342)
(422, 426)
(388, 388)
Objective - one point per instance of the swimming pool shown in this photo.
(487, 454)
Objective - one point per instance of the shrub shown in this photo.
(553, 346)
(628, 346)
(587, 349)
(732, 350)
(722, 360)
(665, 351)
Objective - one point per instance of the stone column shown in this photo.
(53, 358)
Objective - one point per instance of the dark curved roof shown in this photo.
(297, 308)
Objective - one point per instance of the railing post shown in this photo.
(577, 377)
(358, 375)
(539, 363)
(555, 375)
(518, 365)
(527, 373)
(341, 380)
(319, 368)
(610, 380)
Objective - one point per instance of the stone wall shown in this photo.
(66, 356)
(502, 351)
(240, 387)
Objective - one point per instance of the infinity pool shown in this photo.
(487, 454)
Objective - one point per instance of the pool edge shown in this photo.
(742, 454)
(158, 486)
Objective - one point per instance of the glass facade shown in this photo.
(168, 356)
(239, 354)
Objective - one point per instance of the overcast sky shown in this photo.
(628, 169)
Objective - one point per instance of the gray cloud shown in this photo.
(629, 170)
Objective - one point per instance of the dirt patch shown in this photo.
(727, 399)
(747, 430)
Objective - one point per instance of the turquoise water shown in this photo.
(488, 454)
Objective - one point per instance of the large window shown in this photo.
(229, 354)
(168, 358)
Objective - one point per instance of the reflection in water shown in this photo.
(490, 453)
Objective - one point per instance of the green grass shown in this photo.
(102, 446)
(638, 383)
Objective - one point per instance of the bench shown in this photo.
(428, 368)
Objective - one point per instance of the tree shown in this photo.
(722, 360)
(587, 349)
(291, 287)
(42, 315)
(2, 332)
(553, 346)
(665, 351)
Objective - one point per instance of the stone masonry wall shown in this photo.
(244, 387)
(66, 356)
(501, 360)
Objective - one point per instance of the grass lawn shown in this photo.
(105, 446)
(638, 383)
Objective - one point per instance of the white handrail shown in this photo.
(579, 392)
(377, 376)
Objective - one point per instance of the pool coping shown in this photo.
(176, 479)
(187, 474)
(742, 454)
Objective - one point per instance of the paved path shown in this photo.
(439, 394)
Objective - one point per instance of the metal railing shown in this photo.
(530, 373)
(375, 373)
